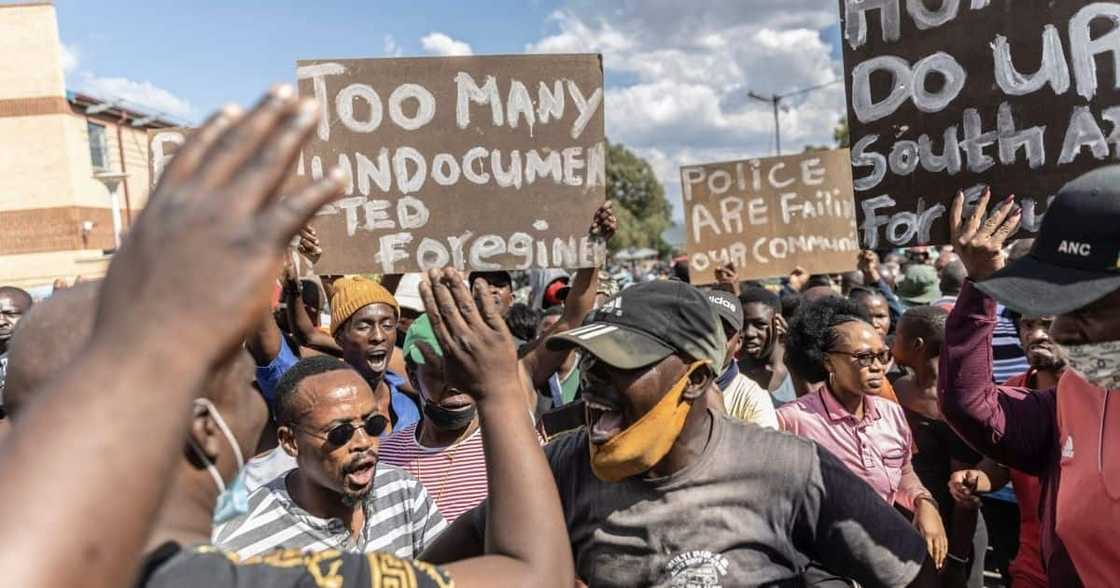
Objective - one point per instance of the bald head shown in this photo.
(59, 328)
(49, 338)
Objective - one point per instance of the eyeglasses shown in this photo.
(867, 359)
(374, 425)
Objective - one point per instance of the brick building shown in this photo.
(60, 152)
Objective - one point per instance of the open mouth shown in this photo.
(603, 420)
(360, 474)
(378, 359)
(1041, 347)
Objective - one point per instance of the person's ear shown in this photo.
(205, 435)
(919, 343)
(698, 382)
(829, 368)
(287, 439)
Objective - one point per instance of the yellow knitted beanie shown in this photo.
(351, 294)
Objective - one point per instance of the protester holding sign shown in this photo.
(1062, 434)
(216, 217)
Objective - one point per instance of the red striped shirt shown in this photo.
(454, 476)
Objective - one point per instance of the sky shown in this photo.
(677, 73)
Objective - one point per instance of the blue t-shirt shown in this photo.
(405, 410)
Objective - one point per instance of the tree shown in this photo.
(840, 133)
(640, 204)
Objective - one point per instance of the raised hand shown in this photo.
(728, 278)
(868, 265)
(309, 244)
(216, 217)
(478, 351)
(979, 243)
(605, 223)
(797, 278)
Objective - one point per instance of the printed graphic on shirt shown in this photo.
(697, 569)
(1067, 449)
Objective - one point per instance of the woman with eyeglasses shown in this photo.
(833, 341)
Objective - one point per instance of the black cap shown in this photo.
(727, 307)
(648, 322)
(494, 278)
(1075, 260)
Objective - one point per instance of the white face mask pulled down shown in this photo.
(1098, 363)
(234, 499)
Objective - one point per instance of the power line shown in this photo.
(775, 101)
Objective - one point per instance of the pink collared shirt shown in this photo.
(877, 448)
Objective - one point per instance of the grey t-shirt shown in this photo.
(752, 511)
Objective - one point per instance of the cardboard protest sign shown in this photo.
(482, 163)
(162, 146)
(769, 216)
(1020, 95)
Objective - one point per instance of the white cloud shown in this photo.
(392, 49)
(678, 77)
(137, 93)
(441, 44)
(69, 58)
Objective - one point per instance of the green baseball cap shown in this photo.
(421, 330)
(920, 285)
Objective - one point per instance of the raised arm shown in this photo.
(528, 543)
(304, 330)
(872, 278)
(539, 363)
(1010, 425)
(121, 411)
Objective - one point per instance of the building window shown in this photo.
(98, 146)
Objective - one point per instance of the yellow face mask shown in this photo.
(648, 440)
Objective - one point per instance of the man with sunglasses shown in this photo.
(338, 497)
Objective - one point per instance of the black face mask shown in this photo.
(447, 419)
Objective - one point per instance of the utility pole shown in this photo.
(775, 101)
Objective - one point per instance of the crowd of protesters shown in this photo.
(600, 428)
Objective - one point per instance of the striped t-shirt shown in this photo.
(455, 476)
(400, 519)
(1008, 359)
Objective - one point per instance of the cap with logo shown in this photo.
(648, 322)
(1075, 260)
(727, 307)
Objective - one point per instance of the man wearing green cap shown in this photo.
(920, 285)
(444, 450)
(661, 488)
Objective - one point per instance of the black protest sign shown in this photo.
(1018, 95)
(769, 216)
(481, 163)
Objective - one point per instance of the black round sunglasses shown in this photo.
(374, 425)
